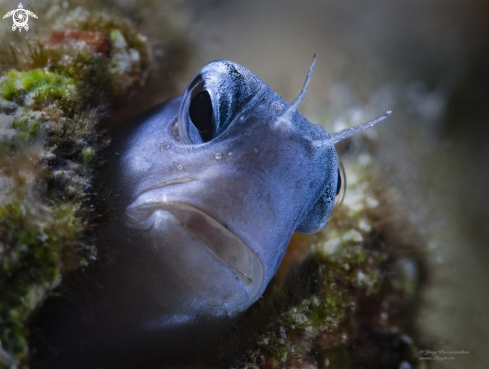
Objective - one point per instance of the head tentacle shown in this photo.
(289, 113)
(347, 132)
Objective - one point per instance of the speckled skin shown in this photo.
(259, 179)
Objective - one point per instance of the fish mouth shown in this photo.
(217, 239)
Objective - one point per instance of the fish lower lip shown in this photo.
(221, 243)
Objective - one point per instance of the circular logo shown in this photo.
(20, 18)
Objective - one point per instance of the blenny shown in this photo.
(209, 188)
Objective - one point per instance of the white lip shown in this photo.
(221, 243)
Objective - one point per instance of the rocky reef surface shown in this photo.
(59, 85)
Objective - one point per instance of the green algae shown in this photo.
(87, 155)
(38, 83)
(27, 129)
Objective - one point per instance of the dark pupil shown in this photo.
(338, 184)
(200, 112)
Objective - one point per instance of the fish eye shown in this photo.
(214, 98)
(340, 190)
(197, 120)
(201, 114)
(338, 183)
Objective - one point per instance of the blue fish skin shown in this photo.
(201, 225)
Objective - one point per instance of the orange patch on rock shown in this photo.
(95, 41)
(298, 248)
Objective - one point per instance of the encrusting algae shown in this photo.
(55, 91)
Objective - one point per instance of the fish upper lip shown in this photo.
(180, 180)
(215, 236)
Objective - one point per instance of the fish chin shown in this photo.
(202, 232)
